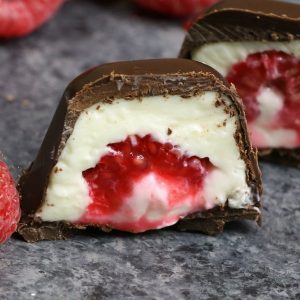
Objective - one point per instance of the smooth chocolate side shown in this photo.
(128, 80)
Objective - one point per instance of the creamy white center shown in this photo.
(222, 56)
(269, 109)
(196, 125)
(263, 135)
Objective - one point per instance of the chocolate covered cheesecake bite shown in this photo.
(256, 45)
(142, 145)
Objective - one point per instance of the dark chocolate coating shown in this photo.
(244, 20)
(128, 80)
(248, 20)
(288, 157)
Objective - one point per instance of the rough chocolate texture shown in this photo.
(128, 80)
(33, 231)
(248, 20)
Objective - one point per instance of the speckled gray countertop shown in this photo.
(246, 262)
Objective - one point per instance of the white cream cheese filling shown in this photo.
(223, 55)
(196, 125)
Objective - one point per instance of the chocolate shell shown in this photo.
(132, 80)
(248, 20)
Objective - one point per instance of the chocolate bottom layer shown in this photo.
(210, 222)
(288, 157)
(32, 232)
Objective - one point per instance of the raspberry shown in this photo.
(9, 204)
(20, 17)
(176, 8)
(270, 69)
(112, 181)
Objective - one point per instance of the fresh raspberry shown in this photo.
(112, 180)
(272, 69)
(20, 17)
(176, 8)
(9, 204)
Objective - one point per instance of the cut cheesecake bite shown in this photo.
(143, 145)
(256, 45)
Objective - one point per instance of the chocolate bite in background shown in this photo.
(239, 21)
(104, 86)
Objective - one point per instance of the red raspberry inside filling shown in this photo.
(270, 69)
(143, 184)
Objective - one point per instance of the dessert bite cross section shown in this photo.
(143, 145)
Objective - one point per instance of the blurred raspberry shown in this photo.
(9, 204)
(20, 17)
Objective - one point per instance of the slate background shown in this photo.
(245, 262)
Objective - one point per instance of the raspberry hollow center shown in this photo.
(143, 184)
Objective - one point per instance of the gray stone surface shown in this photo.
(245, 262)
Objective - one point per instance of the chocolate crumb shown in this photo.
(56, 170)
(274, 36)
(9, 98)
(218, 103)
(25, 103)
(290, 37)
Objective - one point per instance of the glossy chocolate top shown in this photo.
(244, 20)
(154, 67)
(266, 7)
(127, 80)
